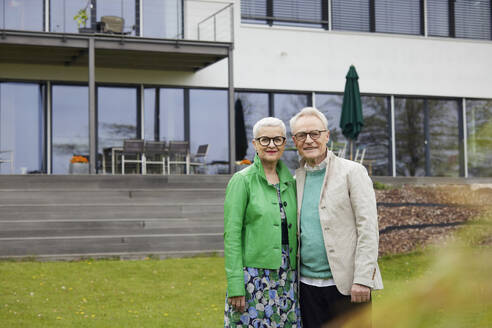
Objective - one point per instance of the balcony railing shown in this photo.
(202, 20)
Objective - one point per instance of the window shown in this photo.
(22, 15)
(398, 16)
(427, 137)
(164, 114)
(285, 106)
(351, 15)
(479, 137)
(22, 127)
(62, 13)
(122, 8)
(375, 135)
(209, 125)
(117, 116)
(255, 107)
(297, 12)
(70, 125)
(459, 18)
(472, 19)
(162, 19)
(253, 8)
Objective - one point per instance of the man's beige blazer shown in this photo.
(349, 220)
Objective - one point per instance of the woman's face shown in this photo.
(271, 152)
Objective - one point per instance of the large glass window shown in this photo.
(398, 16)
(162, 19)
(255, 107)
(444, 143)
(479, 136)
(427, 137)
(70, 125)
(22, 15)
(251, 9)
(166, 120)
(117, 116)
(209, 125)
(122, 8)
(294, 10)
(285, 106)
(351, 15)
(375, 135)
(410, 137)
(62, 13)
(22, 127)
(438, 17)
(472, 19)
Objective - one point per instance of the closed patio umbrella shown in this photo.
(351, 119)
(241, 139)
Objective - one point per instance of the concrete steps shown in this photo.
(69, 217)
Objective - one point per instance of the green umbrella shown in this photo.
(351, 120)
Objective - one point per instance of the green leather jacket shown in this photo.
(252, 223)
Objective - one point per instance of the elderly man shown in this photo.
(337, 226)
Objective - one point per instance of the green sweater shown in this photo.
(314, 262)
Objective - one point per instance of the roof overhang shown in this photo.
(46, 48)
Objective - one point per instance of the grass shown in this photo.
(190, 292)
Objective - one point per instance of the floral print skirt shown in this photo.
(271, 298)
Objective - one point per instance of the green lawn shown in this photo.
(151, 293)
(190, 292)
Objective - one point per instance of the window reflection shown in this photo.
(70, 125)
(479, 136)
(62, 13)
(286, 106)
(375, 135)
(409, 135)
(255, 107)
(209, 125)
(162, 19)
(21, 127)
(398, 16)
(351, 15)
(117, 116)
(150, 115)
(22, 15)
(171, 122)
(444, 137)
(122, 8)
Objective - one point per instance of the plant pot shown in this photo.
(78, 168)
(86, 30)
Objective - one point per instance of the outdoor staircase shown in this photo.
(85, 216)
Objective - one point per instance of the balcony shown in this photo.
(179, 35)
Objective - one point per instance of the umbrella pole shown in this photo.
(351, 144)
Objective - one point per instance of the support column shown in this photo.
(393, 141)
(232, 116)
(92, 109)
(49, 129)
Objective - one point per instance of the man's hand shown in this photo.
(360, 293)
(238, 303)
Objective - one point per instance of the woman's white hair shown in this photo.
(308, 111)
(268, 122)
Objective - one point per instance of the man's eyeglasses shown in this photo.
(315, 134)
(265, 141)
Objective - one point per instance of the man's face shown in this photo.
(311, 149)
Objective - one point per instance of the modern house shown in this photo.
(71, 83)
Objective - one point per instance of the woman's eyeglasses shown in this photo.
(315, 134)
(265, 141)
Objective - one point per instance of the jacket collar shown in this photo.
(327, 159)
(283, 172)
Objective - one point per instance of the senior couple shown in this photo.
(306, 246)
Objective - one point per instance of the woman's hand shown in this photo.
(238, 303)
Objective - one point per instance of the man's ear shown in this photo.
(294, 140)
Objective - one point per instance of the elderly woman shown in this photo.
(260, 242)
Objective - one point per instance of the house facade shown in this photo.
(177, 68)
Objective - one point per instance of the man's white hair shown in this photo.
(268, 122)
(308, 111)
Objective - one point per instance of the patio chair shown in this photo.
(359, 154)
(178, 155)
(133, 147)
(112, 25)
(10, 159)
(155, 154)
(198, 159)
